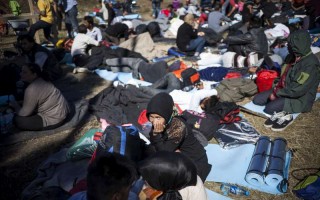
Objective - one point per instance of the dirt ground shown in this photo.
(18, 163)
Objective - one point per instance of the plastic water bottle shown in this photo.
(233, 189)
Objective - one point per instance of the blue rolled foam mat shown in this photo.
(259, 162)
(277, 159)
(231, 166)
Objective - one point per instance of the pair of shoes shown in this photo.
(279, 121)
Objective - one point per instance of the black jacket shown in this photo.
(178, 136)
(118, 30)
(253, 41)
(186, 33)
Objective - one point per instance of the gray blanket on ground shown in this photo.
(78, 114)
(56, 171)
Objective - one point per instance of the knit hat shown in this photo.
(161, 104)
(128, 23)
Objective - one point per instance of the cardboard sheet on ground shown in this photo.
(259, 109)
(230, 166)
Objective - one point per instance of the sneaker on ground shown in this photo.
(282, 123)
(274, 118)
(116, 83)
(133, 82)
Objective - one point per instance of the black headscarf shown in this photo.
(168, 172)
(161, 104)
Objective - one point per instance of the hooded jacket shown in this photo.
(253, 41)
(303, 77)
(177, 135)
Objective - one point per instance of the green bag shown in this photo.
(84, 147)
(308, 188)
(15, 7)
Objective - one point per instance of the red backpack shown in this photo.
(265, 79)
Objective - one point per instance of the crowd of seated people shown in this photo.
(181, 160)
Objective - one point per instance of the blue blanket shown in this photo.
(230, 166)
(121, 76)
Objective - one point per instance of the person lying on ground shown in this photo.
(44, 107)
(191, 100)
(188, 37)
(89, 55)
(35, 53)
(92, 30)
(173, 177)
(150, 72)
(296, 90)
(185, 79)
(254, 40)
(171, 133)
(115, 32)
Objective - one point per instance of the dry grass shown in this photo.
(19, 162)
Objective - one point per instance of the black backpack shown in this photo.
(153, 29)
(124, 140)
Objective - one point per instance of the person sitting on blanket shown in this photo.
(109, 177)
(185, 79)
(171, 133)
(255, 40)
(45, 59)
(188, 37)
(216, 19)
(296, 90)
(92, 30)
(173, 177)
(80, 46)
(44, 107)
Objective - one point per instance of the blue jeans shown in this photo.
(224, 7)
(72, 21)
(167, 84)
(262, 99)
(156, 7)
(197, 44)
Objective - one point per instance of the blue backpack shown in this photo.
(308, 188)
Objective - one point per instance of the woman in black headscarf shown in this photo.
(174, 175)
(171, 133)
